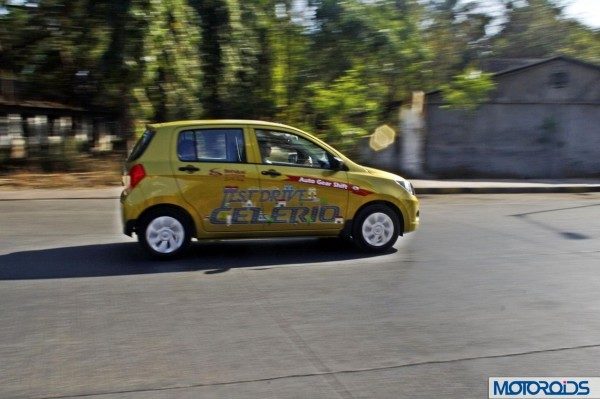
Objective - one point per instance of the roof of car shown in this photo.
(218, 122)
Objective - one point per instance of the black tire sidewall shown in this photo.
(364, 213)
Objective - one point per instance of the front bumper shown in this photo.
(412, 215)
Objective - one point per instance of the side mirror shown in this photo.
(338, 164)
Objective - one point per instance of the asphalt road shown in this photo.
(491, 285)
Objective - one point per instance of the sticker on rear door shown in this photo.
(239, 206)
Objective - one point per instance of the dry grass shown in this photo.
(86, 172)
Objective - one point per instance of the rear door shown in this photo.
(214, 177)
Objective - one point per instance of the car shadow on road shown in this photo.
(212, 257)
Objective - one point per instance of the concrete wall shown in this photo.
(533, 126)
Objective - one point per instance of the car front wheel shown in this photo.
(375, 228)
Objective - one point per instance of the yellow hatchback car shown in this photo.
(221, 179)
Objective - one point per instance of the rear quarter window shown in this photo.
(141, 145)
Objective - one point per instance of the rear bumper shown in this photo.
(129, 224)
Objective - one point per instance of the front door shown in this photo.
(300, 187)
(215, 179)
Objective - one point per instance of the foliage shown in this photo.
(337, 68)
(370, 58)
(150, 68)
(455, 35)
(468, 89)
(347, 107)
(582, 43)
(538, 29)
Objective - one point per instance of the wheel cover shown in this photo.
(165, 234)
(378, 229)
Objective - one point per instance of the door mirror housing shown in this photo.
(338, 164)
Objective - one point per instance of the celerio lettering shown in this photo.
(240, 206)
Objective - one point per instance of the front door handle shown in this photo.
(270, 172)
(189, 168)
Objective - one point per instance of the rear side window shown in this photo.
(211, 145)
(141, 145)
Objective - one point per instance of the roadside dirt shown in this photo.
(60, 180)
(104, 172)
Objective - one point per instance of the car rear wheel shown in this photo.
(376, 228)
(165, 233)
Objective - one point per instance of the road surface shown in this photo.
(491, 285)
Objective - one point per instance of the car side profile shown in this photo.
(226, 179)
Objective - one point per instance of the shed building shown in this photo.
(541, 121)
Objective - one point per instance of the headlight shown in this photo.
(407, 186)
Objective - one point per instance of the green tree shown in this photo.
(136, 58)
(150, 69)
(468, 89)
(534, 29)
(290, 44)
(455, 37)
(336, 68)
(50, 44)
(236, 58)
(346, 107)
(539, 29)
(369, 56)
(583, 43)
(170, 61)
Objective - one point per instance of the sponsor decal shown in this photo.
(238, 207)
(215, 172)
(233, 194)
(544, 387)
(329, 183)
(235, 175)
(229, 174)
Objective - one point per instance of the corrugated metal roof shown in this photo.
(534, 64)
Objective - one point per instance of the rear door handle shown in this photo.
(270, 172)
(189, 168)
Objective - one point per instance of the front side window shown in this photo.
(211, 145)
(288, 149)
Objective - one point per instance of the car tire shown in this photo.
(165, 233)
(375, 228)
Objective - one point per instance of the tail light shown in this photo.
(136, 174)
